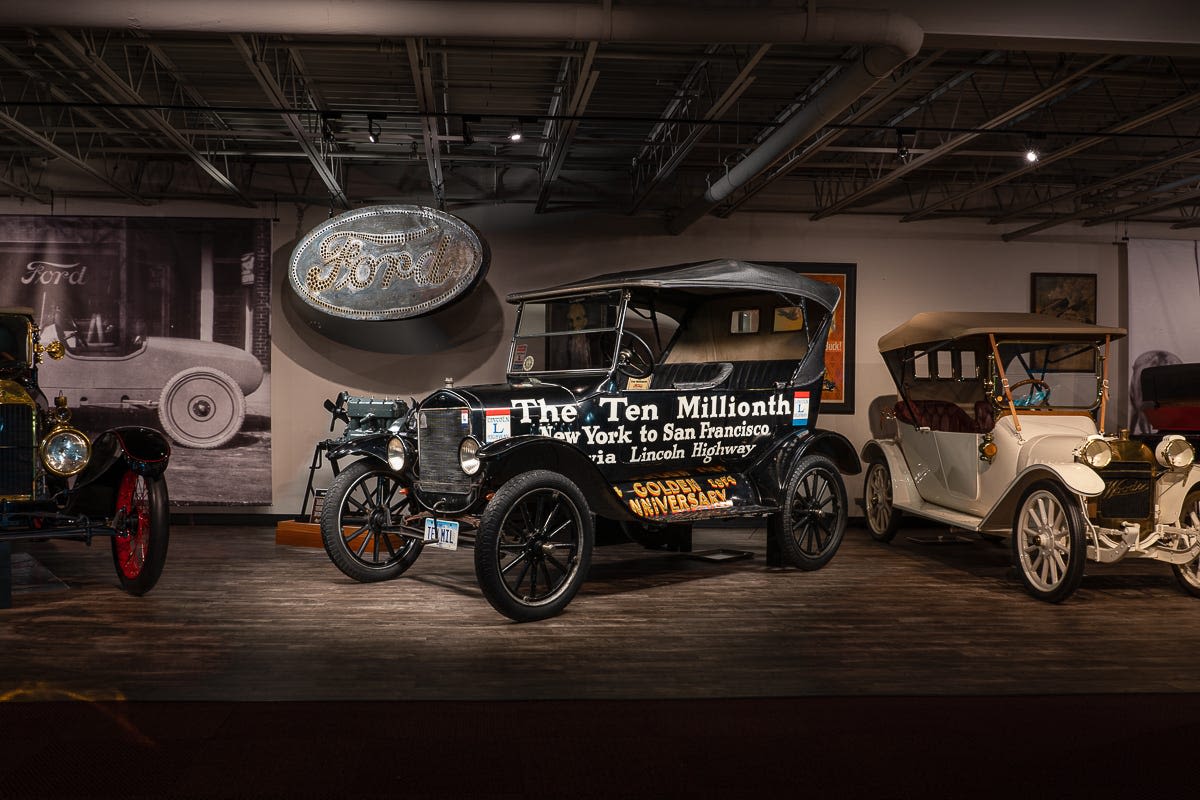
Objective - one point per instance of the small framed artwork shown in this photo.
(1067, 295)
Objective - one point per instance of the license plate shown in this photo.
(441, 533)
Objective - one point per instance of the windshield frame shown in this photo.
(619, 299)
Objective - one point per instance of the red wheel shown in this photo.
(140, 547)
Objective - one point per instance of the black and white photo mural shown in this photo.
(166, 323)
(1164, 313)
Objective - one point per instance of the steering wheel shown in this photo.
(634, 358)
(1038, 398)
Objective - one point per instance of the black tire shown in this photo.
(144, 527)
(1048, 542)
(811, 523)
(534, 546)
(360, 523)
(882, 516)
(201, 408)
(1188, 574)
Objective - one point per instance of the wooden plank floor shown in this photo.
(237, 617)
(911, 670)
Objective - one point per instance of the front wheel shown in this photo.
(360, 523)
(810, 525)
(1188, 574)
(143, 526)
(534, 546)
(882, 516)
(1048, 543)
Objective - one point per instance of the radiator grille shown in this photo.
(439, 432)
(1128, 490)
(17, 450)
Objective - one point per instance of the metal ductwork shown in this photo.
(888, 39)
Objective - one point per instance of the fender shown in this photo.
(508, 458)
(774, 467)
(1171, 489)
(1076, 478)
(373, 445)
(143, 450)
(904, 488)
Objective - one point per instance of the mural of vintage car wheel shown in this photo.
(142, 514)
(360, 523)
(812, 522)
(202, 408)
(534, 546)
(1048, 543)
(1188, 574)
(883, 518)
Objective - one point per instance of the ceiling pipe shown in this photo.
(888, 40)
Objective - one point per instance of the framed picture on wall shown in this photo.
(1066, 295)
(838, 394)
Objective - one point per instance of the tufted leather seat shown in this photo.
(938, 415)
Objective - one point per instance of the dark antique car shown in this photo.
(56, 483)
(999, 431)
(636, 404)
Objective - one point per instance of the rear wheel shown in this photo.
(1048, 543)
(1188, 574)
(534, 546)
(140, 548)
(810, 525)
(882, 517)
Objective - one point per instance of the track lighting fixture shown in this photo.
(902, 153)
(374, 131)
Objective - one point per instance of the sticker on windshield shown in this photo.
(527, 364)
(800, 409)
(499, 425)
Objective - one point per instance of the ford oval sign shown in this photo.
(386, 263)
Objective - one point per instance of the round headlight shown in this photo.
(1175, 452)
(397, 453)
(1096, 454)
(468, 455)
(66, 451)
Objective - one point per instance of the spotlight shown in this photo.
(1032, 151)
(902, 153)
(514, 133)
(374, 131)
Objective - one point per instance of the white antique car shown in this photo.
(996, 433)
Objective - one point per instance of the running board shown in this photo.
(955, 519)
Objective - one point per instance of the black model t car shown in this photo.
(636, 402)
(57, 483)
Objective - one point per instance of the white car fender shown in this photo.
(1171, 489)
(904, 488)
(1078, 479)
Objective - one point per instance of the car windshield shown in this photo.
(569, 335)
(1052, 374)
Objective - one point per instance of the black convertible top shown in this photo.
(723, 276)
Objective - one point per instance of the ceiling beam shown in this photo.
(1166, 109)
(427, 107)
(252, 57)
(954, 143)
(564, 130)
(128, 94)
(666, 163)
